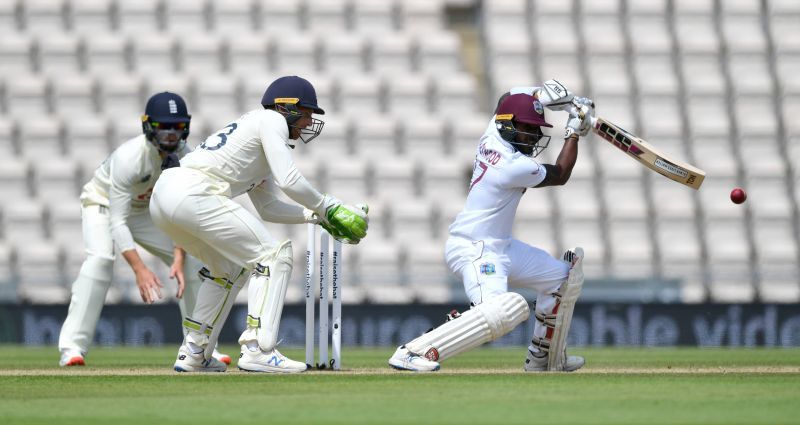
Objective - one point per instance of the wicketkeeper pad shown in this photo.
(214, 302)
(481, 324)
(265, 299)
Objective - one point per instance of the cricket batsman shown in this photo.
(487, 258)
(114, 211)
(193, 204)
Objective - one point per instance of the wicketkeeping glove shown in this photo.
(346, 223)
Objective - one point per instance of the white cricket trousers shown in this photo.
(91, 286)
(212, 227)
(487, 268)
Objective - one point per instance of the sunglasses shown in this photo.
(169, 125)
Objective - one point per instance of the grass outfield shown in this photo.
(618, 386)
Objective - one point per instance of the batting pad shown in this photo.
(486, 322)
(265, 299)
(570, 291)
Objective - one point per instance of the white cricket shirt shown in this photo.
(500, 176)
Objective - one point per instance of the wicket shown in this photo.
(326, 275)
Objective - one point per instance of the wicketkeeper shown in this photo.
(193, 204)
(487, 258)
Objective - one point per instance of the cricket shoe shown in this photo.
(195, 362)
(267, 361)
(224, 358)
(402, 359)
(539, 364)
(71, 358)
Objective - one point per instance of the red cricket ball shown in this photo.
(738, 195)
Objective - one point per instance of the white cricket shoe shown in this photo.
(268, 361)
(191, 362)
(402, 359)
(71, 358)
(539, 364)
(224, 358)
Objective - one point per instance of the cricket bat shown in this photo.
(648, 155)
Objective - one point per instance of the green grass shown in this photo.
(618, 386)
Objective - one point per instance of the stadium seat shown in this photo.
(248, 55)
(65, 222)
(631, 248)
(8, 280)
(200, 55)
(9, 134)
(703, 75)
(423, 136)
(42, 138)
(347, 179)
(696, 35)
(280, 16)
(56, 179)
(88, 142)
(430, 279)
(455, 95)
(330, 16)
(377, 138)
(565, 44)
(46, 285)
(187, 16)
(391, 54)
(580, 201)
(16, 54)
(141, 17)
(155, 54)
(446, 177)
(108, 55)
(439, 53)
(75, 96)
(60, 55)
(343, 53)
(293, 55)
(23, 221)
(603, 35)
(10, 22)
(360, 93)
(15, 180)
(649, 34)
(421, 15)
(89, 17)
(374, 17)
(743, 33)
(625, 198)
(217, 96)
(608, 74)
(234, 17)
(27, 95)
(408, 95)
(655, 74)
(534, 222)
(412, 222)
(45, 16)
(506, 16)
(378, 266)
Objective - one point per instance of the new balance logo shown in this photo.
(274, 360)
(182, 357)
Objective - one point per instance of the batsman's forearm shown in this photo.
(568, 157)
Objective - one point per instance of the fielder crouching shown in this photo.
(483, 253)
(193, 204)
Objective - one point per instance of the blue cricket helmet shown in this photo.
(292, 87)
(167, 107)
(165, 122)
